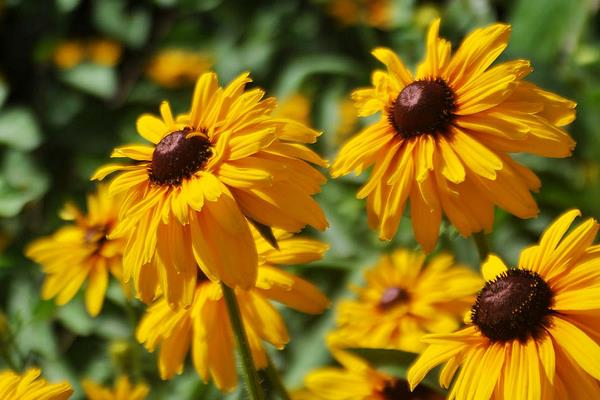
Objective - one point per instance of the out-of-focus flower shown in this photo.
(71, 53)
(104, 52)
(358, 380)
(205, 326)
(175, 67)
(68, 54)
(534, 331)
(189, 195)
(81, 251)
(375, 13)
(403, 299)
(445, 136)
(29, 386)
(296, 107)
(123, 390)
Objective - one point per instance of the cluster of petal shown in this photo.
(123, 390)
(81, 251)
(466, 170)
(562, 362)
(259, 169)
(30, 386)
(205, 325)
(357, 379)
(435, 295)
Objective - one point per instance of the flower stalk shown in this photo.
(249, 372)
(483, 247)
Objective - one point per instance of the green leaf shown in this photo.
(3, 92)
(132, 28)
(20, 182)
(66, 6)
(19, 129)
(94, 79)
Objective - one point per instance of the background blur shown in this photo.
(75, 75)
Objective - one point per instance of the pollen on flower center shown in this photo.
(516, 305)
(425, 106)
(177, 157)
(392, 296)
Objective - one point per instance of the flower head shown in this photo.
(357, 380)
(189, 195)
(533, 332)
(445, 134)
(123, 390)
(174, 67)
(81, 251)
(403, 299)
(30, 386)
(205, 325)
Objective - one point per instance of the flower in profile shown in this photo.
(445, 134)
(175, 67)
(123, 390)
(30, 386)
(405, 298)
(205, 325)
(188, 196)
(81, 251)
(357, 379)
(534, 330)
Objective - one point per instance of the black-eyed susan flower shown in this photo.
(445, 134)
(100, 51)
(81, 252)
(29, 386)
(187, 197)
(205, 326)
(175, 67)
(403, 299)
(375, 13)
(123, 390)
(357, 380)
(534, 331)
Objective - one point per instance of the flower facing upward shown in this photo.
(30, 386)
(205, 324)
(80, 252)
(404, 299)
(534, 331)
(445, 133)
(188, 196)
(357, 380)
(123, 390)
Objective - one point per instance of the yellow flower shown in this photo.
(173, 68)
(30, 386)
(357, 380)
(81, 251)
(205, 324)
(68, 54)
(534, 331)
(104, 52)
(445, 134)
(187, 197)
(123, 390)
(296, 107)
(375, 13)
(405, 299)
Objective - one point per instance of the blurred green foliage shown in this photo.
(57, 125)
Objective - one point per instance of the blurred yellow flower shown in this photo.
(296, 107)
(357, 380)
(175, 67)
(445, 136)
(80, 252)
(71, 53)
(189, 195)
(405, 298)
(534, 331)
(375, 13)
(205, 326)
(123, 390)
(30, 386)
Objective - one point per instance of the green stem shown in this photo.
(8, 359)
(483, 247)
(275, 380)
(248, 369)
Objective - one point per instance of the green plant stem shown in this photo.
(248, 369)
(8, 359)
(483, 247)
(275, 380)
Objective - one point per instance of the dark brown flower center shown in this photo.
(515, 305)
(393, 296)
(399, 390)
(177, 157)
(425, 106)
